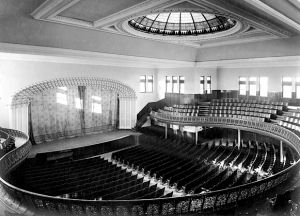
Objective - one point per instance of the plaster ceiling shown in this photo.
(259, 19)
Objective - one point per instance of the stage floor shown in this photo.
(77, 142)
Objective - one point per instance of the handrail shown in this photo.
(5, 136)
(39, 203)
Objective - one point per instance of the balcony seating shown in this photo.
(187, 110)
(251, 109)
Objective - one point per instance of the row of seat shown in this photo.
(248, 105)
(251, 118)
(189, 106)
(247, 109)
(235, 100)
(87, 179)
(233, 112)
(203, 113)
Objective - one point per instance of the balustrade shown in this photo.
(215, 200)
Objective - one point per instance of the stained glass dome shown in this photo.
(181, 24)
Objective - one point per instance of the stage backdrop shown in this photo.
(64, 108)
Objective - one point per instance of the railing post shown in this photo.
(281, 152)
(166, 131)
(196, 131)
(239, 138)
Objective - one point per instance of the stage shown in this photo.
(79, 142)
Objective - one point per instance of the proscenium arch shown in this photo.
(21, 99)
(24, 95)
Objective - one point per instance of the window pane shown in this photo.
(175, 84)
(263, 82)
(168, 84)
(287, 79)
(243, 89)
(181, 84)
(252, 89)
(243, 79)
(201, 84)
(253, 79)
(287, 91)
(297, 79)
(150, 84)
(142, 83)
(298, 91)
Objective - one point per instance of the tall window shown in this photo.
(202, 85)
(242, 85)
(287, 87)
(297, 87)
(168, 84)
(252, 86)
(146, 84)
(208, 85)
(175, 84)
(263, 86)
(150, 87)
(181, 84)
(142, 83)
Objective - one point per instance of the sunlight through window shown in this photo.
(96, 106)
(61, 98)
(78, 103)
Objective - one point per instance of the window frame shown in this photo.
(265, 86)
(208, 85)
(252, 83)
(202, 84)
(287, 84)
(169, 84)
(143, 82)
(181, 84)
(243, 82)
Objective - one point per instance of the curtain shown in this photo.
(72, 111)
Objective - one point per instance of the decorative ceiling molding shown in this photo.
(252, 20)
(274, 13)
(57, 55)
(283, 61)
(46, 54)
(51, 11)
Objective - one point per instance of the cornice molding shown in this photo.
(282, 61)
(58, 55)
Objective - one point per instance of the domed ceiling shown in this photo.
(197, 23)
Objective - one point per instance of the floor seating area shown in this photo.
(176, 164)
(90, 179)
(254, 110)
(187, 110)
(191, 168)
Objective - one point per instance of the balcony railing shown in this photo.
(215, 200)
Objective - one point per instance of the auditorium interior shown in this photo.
(149, 107)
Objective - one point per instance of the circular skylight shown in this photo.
(181, 24)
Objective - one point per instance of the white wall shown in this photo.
(228, 77)
(15, 74)
(192, 79)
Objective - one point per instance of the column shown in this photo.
(239, 139)
(166, 131)
(196, 131)
(281, 152)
